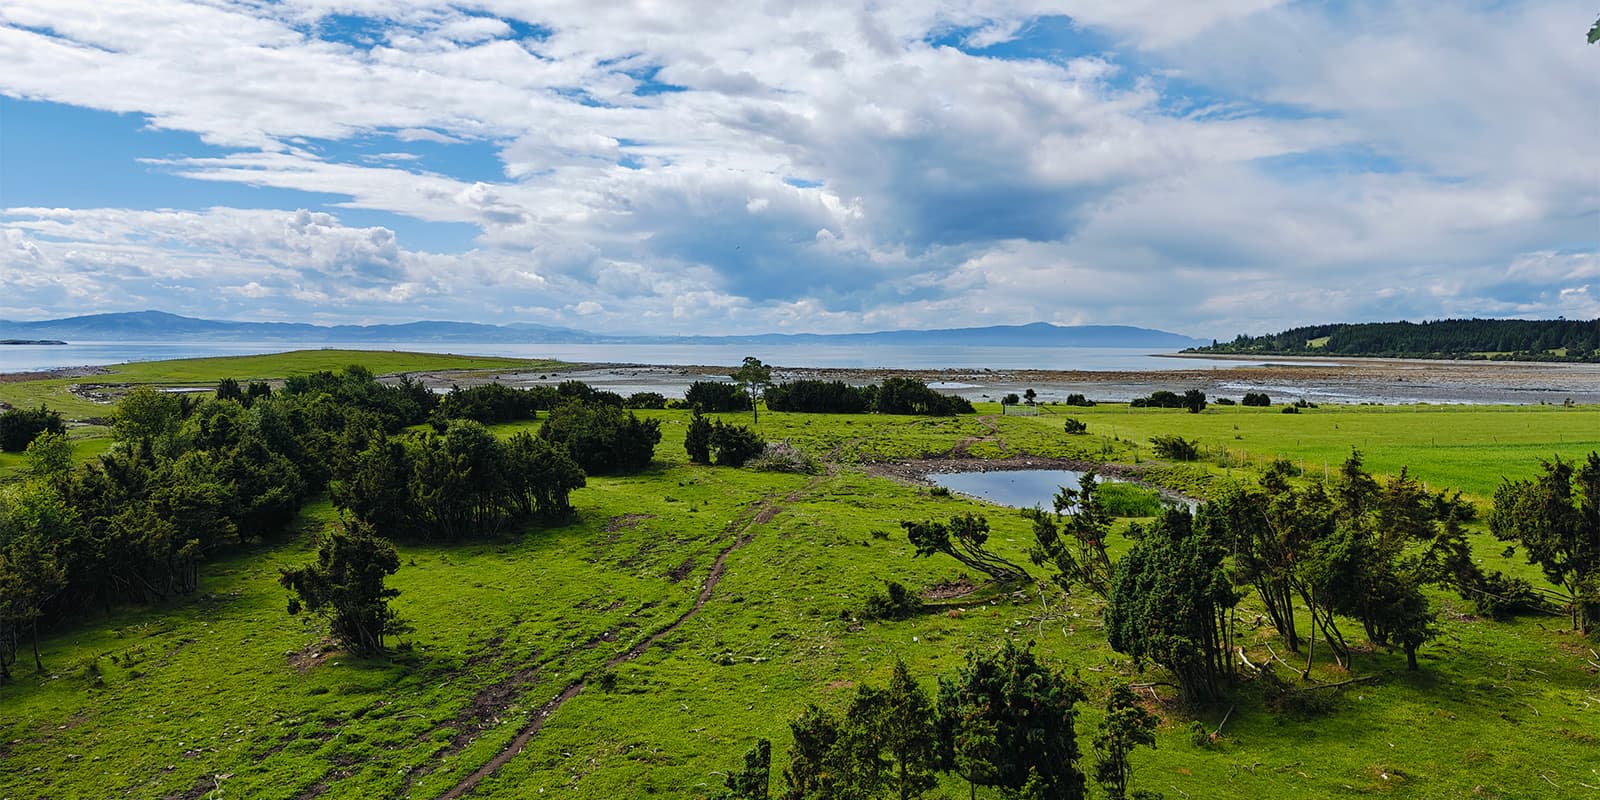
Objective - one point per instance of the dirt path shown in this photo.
(961, 448)
(758, 514)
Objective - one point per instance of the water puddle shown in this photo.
(1021, 488)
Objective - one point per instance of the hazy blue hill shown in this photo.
(160, 326)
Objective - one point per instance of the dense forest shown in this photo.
(1493, 339)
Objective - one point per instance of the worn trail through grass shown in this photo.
(759, 513)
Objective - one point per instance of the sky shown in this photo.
(1232, 166)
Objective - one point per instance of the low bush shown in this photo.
(784, 457)
(1175, 447)
(897, 602)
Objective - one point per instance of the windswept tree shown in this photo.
(1555, 517)
(346, 586)
(1076, 549)
(754, 377)
(963, 539)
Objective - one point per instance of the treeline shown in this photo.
(1536, 340)
(187, 477)
(894, 396)
(494, 403)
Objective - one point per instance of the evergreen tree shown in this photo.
(697, 442)
(751, 782)
(346, 585)
(1555, 517)
(1006, 721)
(1170, 601)
(1125, 726)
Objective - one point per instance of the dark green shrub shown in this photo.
(715, 396)
(1175, 447)
(650, 400)
(911, 396)
(732, 445)
(697, 442)
(20, 426)
(1075, 426)
(897, 602)
(820, 397)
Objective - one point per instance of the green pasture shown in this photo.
(225, 695)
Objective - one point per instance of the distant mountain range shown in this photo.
(161, 326)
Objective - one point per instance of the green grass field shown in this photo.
(226, 695)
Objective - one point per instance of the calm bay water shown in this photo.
(25, 358)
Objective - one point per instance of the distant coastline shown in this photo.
(31, 341)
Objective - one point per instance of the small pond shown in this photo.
(1021, 488)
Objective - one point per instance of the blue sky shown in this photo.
(1210, 168)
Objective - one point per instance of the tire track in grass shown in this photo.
(758, 514)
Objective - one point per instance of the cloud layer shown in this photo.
(1223, 167)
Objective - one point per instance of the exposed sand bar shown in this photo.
(1343, 380)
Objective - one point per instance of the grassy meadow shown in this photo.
(225, 695)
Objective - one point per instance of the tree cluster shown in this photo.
(895, 396)
(1357, 547)
(1193, 400)
(1257, 399)
(602, 438)
(459, 484)
(188, 476)
(1005, 722)
(822, 397)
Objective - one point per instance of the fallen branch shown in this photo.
(1362, 679)
(1277, 658)
(1218, 731)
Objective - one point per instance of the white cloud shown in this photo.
(1240, 164)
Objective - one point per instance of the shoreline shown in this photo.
(1386, 381)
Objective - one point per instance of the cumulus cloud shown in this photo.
(1208, 167)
